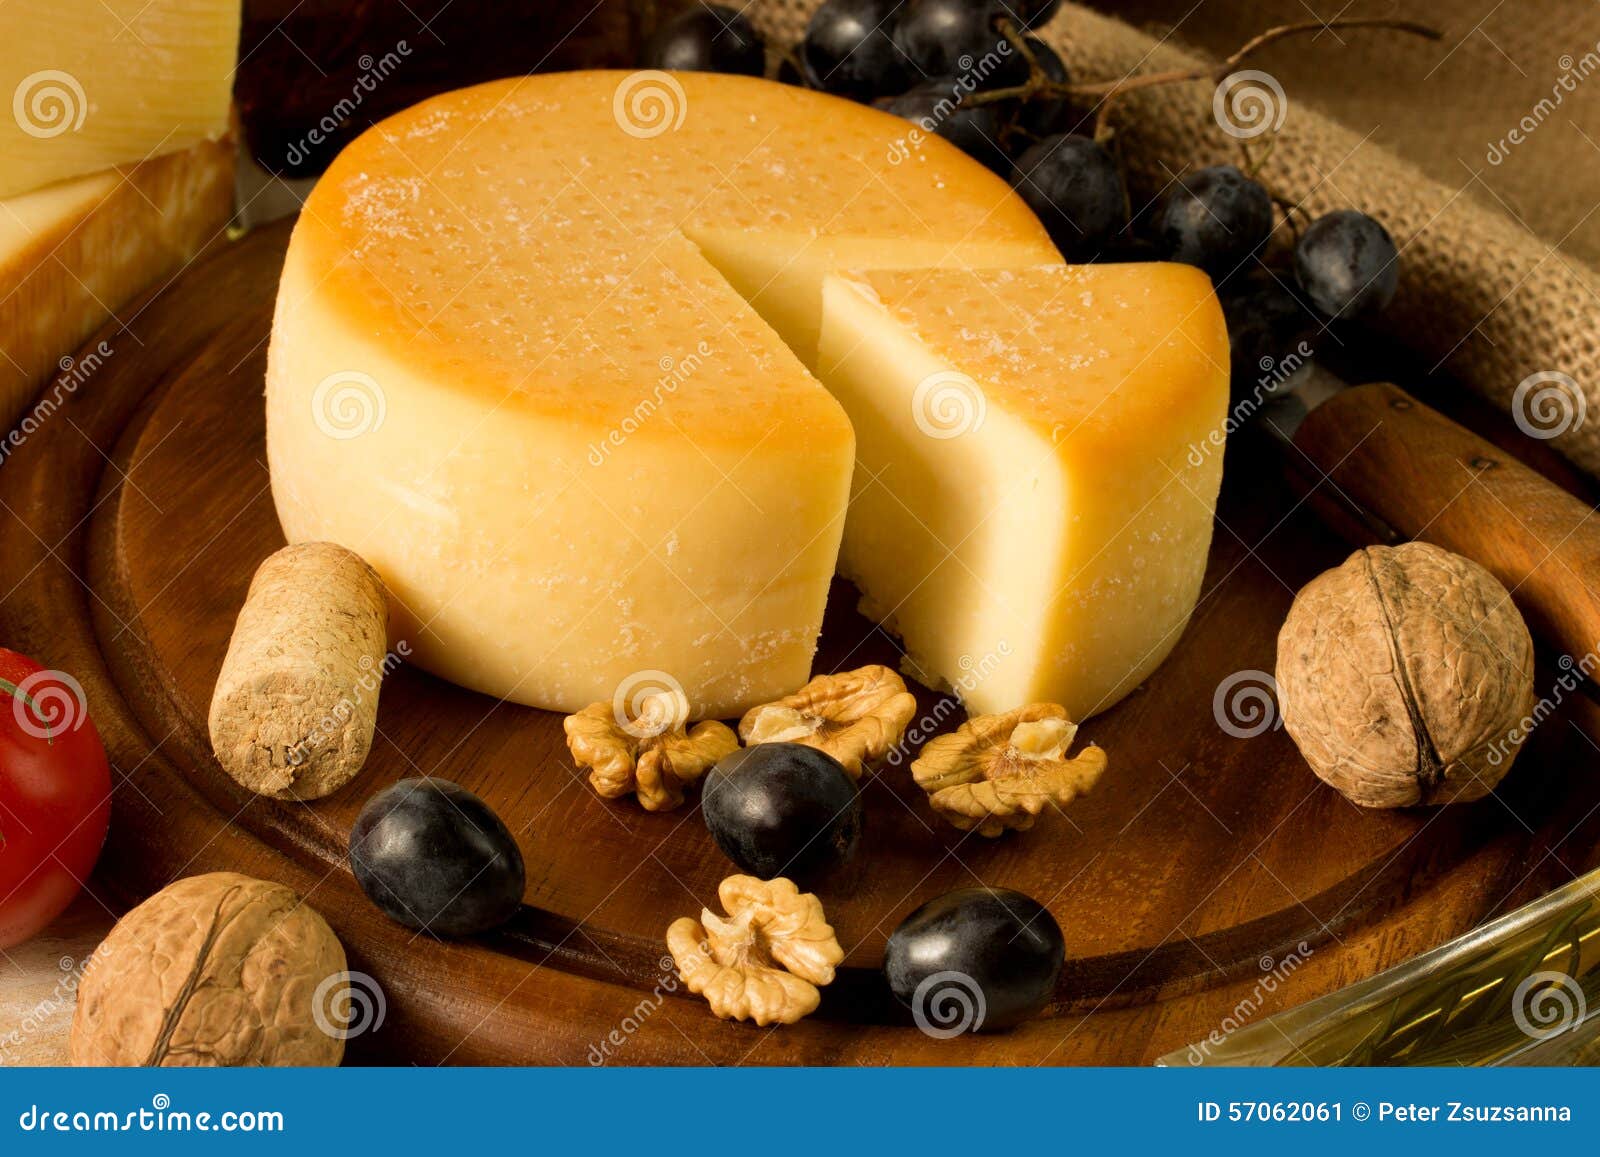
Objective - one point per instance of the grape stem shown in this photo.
(1108, 91)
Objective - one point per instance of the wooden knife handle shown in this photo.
(1432, 480)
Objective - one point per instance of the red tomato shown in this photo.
(55, 795)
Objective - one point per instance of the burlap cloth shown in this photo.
(1497, 236)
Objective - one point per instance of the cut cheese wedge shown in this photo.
(98, 83)
(1032, 506)
(502, 372)
(74, 254)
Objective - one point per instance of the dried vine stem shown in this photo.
(1109, 91)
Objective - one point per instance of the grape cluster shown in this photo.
(938, 64)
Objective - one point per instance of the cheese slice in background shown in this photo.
(99, 83)
(74, 254)
(1037, 469)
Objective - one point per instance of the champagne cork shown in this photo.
(296, 703)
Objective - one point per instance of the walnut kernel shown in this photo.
(1403, 676)
(856, 717)
(219, 969)
(998, 772)
(766, 959)
(654, 756)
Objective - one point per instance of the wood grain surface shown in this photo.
(1208, 858)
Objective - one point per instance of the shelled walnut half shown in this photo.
(766, 959)
(856, 716)
(998, 772)
(654, 757)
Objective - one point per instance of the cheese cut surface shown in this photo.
(503, 372)
(1033, 502)
(781, 274)
(75, 253)
(99, 83)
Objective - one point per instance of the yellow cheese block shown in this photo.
(74, 254)
(547, 366)
(503, 372)
(1033, 501)
(98, 83)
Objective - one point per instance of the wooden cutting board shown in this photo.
(132, 518)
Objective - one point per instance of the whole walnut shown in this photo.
(1405, 676)
(219, 969)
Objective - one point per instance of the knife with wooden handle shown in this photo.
(1411, 469)
(1409, 472)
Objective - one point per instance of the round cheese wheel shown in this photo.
(541, 357)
